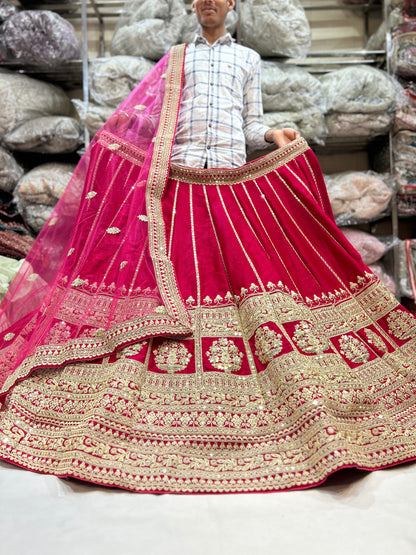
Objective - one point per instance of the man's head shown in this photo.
(211, 14)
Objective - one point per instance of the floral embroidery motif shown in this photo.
(401, 324)
(91, 194)
(32, 277)
(9, 336)
(114, 146)
(122, 264)
(143, 218)
(52, 222)
(375, 340)
(307, 339)
(268, 344)
(353, 349)
(112, 230)
(224, 355)
(140, 107)
(131, 350)
(172, 356)
(78, 282)
(59, 333)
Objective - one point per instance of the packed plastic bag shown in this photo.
(47, 134)
(92, 115)
(39, 38)
(358, 89)
(275, 28)
(8, 269)
(370, 247)
(405, 114)
(407, 268)
(39, 190)
(7, 9)
(404, 54)
(358, 197)
(112, 79)
(346, 124)
(148, 28)
(10, 171)
(23, 98)
(379, 270)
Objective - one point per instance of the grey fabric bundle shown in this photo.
(358, 89)
(7, 8)
(39, 38)
(23, 98)
(112, 79)
(10, 171)
(292, 97)
(148, 28)
(47, 134)
(92, 116)
(39, 190)
(275, 27)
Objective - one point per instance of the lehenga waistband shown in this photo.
(251, 170)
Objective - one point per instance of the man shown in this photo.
(221, 108)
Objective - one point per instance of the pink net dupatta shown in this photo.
(98, 277)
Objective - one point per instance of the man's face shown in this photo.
(212, 13)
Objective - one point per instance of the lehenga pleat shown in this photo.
(299, 363)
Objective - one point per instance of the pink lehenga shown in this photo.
(186, 330)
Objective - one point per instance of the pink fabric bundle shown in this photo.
(370, 247)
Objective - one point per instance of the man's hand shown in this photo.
(281, 137)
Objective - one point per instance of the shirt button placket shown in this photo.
(210, 102)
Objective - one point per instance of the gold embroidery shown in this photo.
(353, 349)
(113, 230)
(140, 107)
(70, 251)
(268, 344)
(32, 277)
(131, 350)
(375, 340)
(308, 340)
(172, 356)
(143, 218)
(114, 146)
(78, 282)
(123, 264)
(91, 194)
(224, 355)
(401, 324)
(9, 336)
(52, 221)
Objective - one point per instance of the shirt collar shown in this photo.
(225, 39)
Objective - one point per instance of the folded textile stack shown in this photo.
(148, 28)
(405, 115)
(38, 38)
(360, 101)
(39, 190)
(10, 171)
(404, 52)
(92, 115)
(358, 197)
(292, 97)
(404, 150)
(36, 116)
(112, 79)
(275, 27)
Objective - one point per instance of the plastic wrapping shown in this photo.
(369, 246)
(8, 269)
(39, 190)
(404, 55)
(377, 41)
(23, 98)
(91, 115)
(404, 150)
(345, 124)
(47, 134)
(384, 276)
(148, 28)
(289, 88)
(358, 89)
(275, 27)
(191, 25)
(39, 38)
(7, 9)
(405, 115)
(310, 122)
(358, 197)
(113, 79)
(10, 171)
(407, 268)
